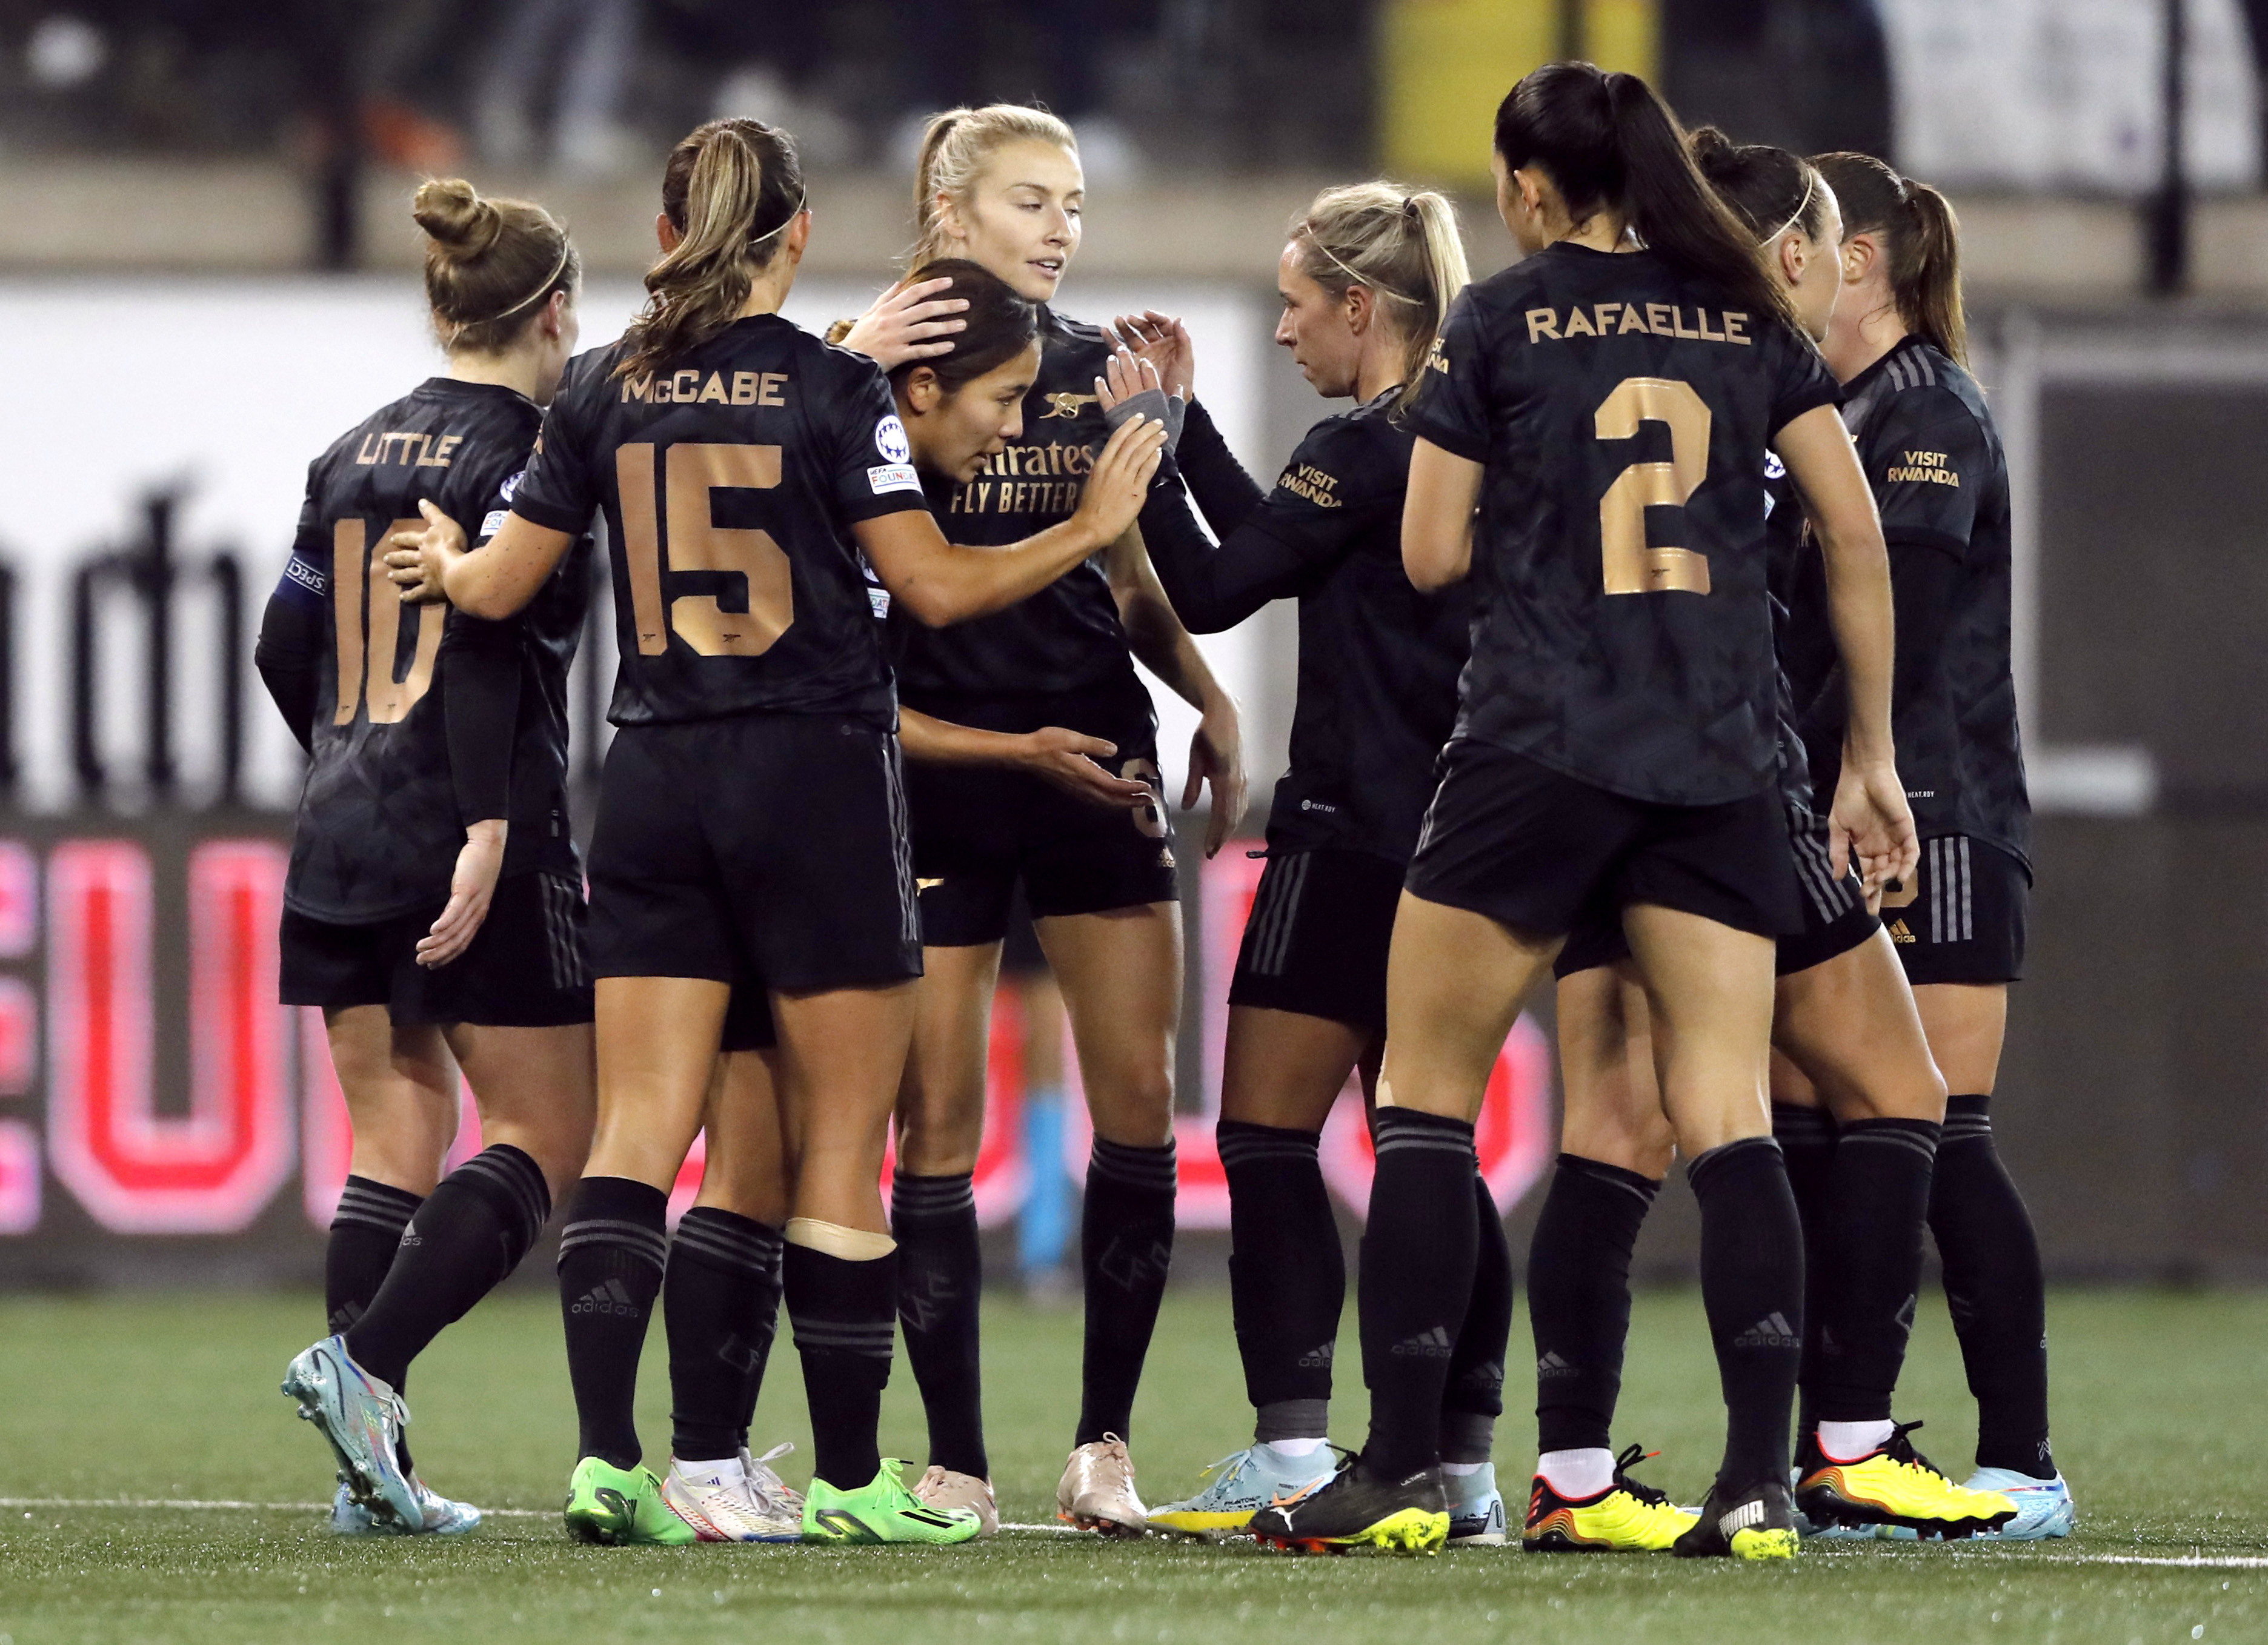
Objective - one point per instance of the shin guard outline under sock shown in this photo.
(1286, 1272)
(940, 1288)
(1578, 1298)
(721, 1303)
(1418, 1253)
(1994, 1288)
(844, 1313)
(613, 1247)
(1752, 1290)
(463, 1242)
(1126, 1251)
(1870, 1243)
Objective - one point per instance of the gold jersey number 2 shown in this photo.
(697, 543)
(355, 563)
(1630, 564)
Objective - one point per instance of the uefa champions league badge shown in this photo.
(890, 439)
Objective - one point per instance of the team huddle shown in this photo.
(1653, 607)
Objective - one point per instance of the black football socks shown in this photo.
(365, 1234)
(1126, 1249)
(1752, 1290)
(941, 1282)
(1869, 1249)
(1419, 1251)
(464, 1240)
(1474, 1398)
(1807, 1143)
(612, 1250)
(721, 1303)
(846, 1317)
(366, 1237)
(1995, 1291)
(1286, 1276)
(1578, 1298)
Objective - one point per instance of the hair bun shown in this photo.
(452, 212)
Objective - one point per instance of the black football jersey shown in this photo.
(1067, 637)
(379, 827)
(1622, 411)
(730, 483)
(1787, 542)
(1926, 440)
(1377, 660)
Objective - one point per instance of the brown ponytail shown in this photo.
(1609, 142)
(490, 264)
(1769, 190)
(730, 190)
(1921, 237)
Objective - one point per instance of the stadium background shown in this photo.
(207, 270)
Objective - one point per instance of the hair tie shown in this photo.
(1810, 186)
(549, 280)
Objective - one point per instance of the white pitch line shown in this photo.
(223, 1505)
(2179, 1562)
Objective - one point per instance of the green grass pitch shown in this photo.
(2158, 1412)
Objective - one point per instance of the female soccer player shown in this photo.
(752, 813)
(1002, 187)
(721, 1291)
(1367, 277)
(1927, 441)
(1842, 1014)
(421, 969)
(1607, 403)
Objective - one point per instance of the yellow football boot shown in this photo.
(1626, 1516)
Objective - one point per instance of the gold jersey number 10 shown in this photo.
(697, 543)
(1630, 565)
(354, 564)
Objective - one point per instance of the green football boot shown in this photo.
(612, 1505)
(882, 1510)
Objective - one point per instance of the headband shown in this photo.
(549, 280)
(1810, 186)
(1359, 279)
(800, 200)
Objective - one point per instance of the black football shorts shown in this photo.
(1536, 849)
(979, 831)
(1961, 918)
(525, 968)
(1317, 937)
(1835, 916)
(768, 844)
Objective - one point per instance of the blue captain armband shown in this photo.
(303, 583)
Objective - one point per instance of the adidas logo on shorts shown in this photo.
(1772, 1332)
(612, 1297)
(1318, 1358)
(1427, 1345)
(1551, 1365)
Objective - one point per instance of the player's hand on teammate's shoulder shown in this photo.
(909, 321)
(1071, 761)
(418, 559)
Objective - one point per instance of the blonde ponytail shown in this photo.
(723, 186)
(1403, 246)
